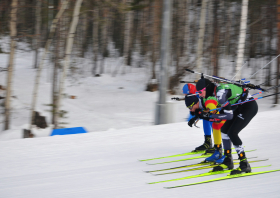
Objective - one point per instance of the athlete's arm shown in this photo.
(222, 96)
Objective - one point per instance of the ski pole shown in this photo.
(247, 101)
(263, 66)
(269, 80)
(267, 90)
(177, 98)
(251, 86)
(182, 81)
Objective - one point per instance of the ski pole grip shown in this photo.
(189, 70)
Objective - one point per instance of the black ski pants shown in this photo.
(241, 117)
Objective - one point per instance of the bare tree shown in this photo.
(13, 34)
(201, 35)
(216, 35)
(38, 75)
(278, 46)
(37, 31)
(128, 19)
(104, 38)
(68, 50)
(242, 35)
(152, 85)
(95, 36)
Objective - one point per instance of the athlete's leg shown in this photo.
(245, 115)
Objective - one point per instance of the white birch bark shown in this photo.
(201, 35)
(38, 75)
(242, 37)
(68, 50)
(13, 34)
(128, 17)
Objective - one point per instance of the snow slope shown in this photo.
(119, 116)
(105, 164)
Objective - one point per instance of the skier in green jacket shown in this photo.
(237, 118)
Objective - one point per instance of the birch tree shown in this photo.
(13, 34)
(128, 17)
(242, 36)
(38, 75)
(68, 50)
(37, 31)
(201, 35)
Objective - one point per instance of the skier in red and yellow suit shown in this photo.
(208, 104)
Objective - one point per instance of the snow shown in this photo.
(105, 164)
(118, 115)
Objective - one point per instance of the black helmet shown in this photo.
(205, 83)
(190, 100)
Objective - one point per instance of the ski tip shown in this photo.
(150, 164)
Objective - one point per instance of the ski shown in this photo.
(225, 177)
(177, 155)
(184, 166)
(203, 167)
(188, 166)
(191, 158)
(202, 175)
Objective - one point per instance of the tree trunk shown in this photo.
(37, 31)
(155, 36)
(95, 37)
(128, 17)
(215, 55)
(153, 84)
(55, 79)
(104, 39)
(186, 32)
(13, 34)
(278, 59)
(38, 75)
(201, 36)
(69, 45)
(242, 37)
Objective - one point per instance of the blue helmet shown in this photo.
(186, 89)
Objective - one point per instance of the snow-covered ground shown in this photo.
(119, 116)
(105, 164)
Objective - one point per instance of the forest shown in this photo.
(203, 33)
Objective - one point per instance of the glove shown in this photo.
(192, 121)
(175, 98)
(202, 114)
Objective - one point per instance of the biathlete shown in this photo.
(237, 118)
(207, 126)
(196, 104)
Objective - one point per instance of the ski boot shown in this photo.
(226, 162)
(244, 166)
(206, 145)
(216, 155)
